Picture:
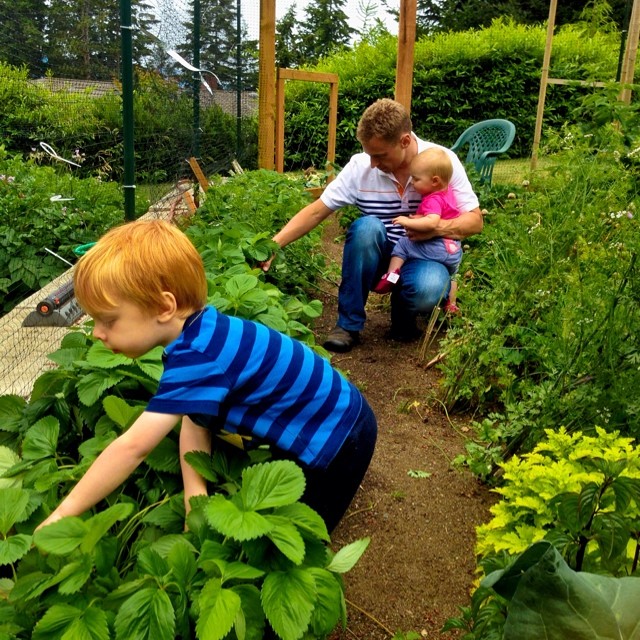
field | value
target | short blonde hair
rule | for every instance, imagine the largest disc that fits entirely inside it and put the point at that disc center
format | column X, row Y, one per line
column 433, row 161
column 136, row 262
column 385, row 119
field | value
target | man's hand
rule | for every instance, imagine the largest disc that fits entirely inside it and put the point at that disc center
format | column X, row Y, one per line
column 265, row 265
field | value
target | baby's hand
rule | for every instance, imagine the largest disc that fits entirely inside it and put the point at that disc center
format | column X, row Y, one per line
column 401, row 220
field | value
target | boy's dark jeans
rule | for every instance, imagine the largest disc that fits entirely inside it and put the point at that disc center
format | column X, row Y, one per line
column 330, row 491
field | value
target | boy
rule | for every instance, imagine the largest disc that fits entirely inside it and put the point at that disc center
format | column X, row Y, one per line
column 144, row 285
column 431, row 172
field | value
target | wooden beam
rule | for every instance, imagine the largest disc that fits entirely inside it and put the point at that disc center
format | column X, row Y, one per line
column 305, row 76
column 202, row 179
column 631, row 50
column 267, row 85
column 406, row 45
column 543, row 83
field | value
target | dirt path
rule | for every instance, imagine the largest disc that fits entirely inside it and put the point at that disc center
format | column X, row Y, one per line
column 420, row 564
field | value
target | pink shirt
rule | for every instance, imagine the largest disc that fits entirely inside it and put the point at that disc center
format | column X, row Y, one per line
column 441, row 203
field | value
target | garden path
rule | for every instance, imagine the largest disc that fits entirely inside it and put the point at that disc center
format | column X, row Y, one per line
column 420, row 564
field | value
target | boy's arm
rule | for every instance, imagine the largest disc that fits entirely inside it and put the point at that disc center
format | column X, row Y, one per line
column 192, row 438
column 115, row 464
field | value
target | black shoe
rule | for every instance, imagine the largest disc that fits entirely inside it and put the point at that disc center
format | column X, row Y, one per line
column 404, row 334
column 340, row 340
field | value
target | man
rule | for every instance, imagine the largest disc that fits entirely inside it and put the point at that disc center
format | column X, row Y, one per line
column 378, row 182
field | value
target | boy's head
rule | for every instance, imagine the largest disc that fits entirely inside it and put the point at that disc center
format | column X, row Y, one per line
column 431, row 170
column 386, row 120
column 137, row 262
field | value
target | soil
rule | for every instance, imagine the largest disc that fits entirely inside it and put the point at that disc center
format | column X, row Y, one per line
column 420, row 565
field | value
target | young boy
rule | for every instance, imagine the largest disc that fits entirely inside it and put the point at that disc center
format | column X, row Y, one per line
column 431, row 172
column 144, row 285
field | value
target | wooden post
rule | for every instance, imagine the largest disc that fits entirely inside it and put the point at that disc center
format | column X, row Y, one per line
column 406, row 43
column 629, row 62
column 267, row 85
column 543, row 83
column 306, row 76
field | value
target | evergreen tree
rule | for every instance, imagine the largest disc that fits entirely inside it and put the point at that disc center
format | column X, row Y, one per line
column 461, row 15
column 22, row 34
column 325, row 30
column 217, row 39
column 288, row 41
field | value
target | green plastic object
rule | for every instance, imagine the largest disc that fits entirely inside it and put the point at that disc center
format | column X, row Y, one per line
column 486, row 140
column 83, row 248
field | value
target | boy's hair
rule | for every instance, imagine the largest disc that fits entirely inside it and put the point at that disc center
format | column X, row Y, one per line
column 385, row 119
column 136, row 262
column 435, row 162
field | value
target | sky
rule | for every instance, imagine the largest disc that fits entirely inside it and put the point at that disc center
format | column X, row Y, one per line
column 353, row 9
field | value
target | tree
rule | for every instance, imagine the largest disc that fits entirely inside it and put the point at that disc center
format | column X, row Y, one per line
column 288, row 40
column 325, row 30
column 22, row 37
column 461, row 15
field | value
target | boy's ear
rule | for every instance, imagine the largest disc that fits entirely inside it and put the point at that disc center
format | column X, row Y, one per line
column 437, row 182
column 168, row 306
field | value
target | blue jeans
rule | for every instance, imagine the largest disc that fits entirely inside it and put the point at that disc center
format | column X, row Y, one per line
column 367, row 250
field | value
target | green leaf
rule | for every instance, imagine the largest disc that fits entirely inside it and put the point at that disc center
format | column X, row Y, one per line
column 251, row 611
column 272, row 484
column 151, row 363
column 550, row 600
column 165, row 457
column 347, row 557
column 11, row 408
column 61, row 537
column 238, row 571
column 8, row 459
column 305, row 518
column 182, row 563
column 41, row 440
column 93, row 385
column 103, row 358
column 13, row 505
column 201, row 462
column 225, row 516
column 66, row 623
column 329, row 603
column 74, row 575
column 152, row 563
column 146, row 615
column 218, row 610
column 120, row 412
column 288, row 599
column 287, row 538
column 14, row 548
column 98, row 525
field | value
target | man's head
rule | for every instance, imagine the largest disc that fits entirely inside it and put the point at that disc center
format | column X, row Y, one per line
column 384, row 131
column 139, row 263
column 431, row 170
column 386, row 120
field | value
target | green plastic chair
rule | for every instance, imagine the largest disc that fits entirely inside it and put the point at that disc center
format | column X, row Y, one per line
column 487, row 140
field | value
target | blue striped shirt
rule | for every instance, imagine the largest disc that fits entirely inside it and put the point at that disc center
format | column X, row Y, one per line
column 226, row 372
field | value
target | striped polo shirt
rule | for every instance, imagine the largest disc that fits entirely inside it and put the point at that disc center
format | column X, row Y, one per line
column 226, row 372
column 379, row 194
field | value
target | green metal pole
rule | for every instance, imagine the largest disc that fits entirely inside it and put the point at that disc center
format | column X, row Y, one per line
column 238, row 77
column 196, row 78
column 127, row 110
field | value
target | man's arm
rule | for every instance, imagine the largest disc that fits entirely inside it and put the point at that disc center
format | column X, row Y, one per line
column 305, row 220
column 466, row 224
column 193, row 438
column 115, row 464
